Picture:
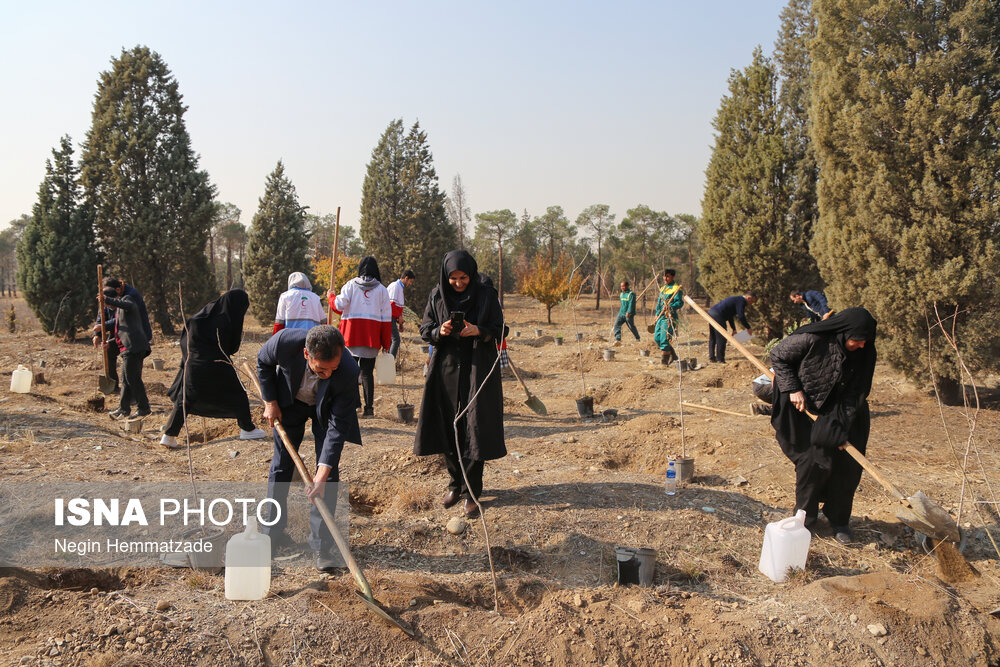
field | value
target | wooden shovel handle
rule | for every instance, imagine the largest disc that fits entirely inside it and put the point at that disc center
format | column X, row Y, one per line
column 707, row 407
column 324, row 511
column 523, row 386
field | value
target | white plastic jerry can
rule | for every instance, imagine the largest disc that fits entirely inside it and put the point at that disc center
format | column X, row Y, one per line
column 248, row 564
column 20, row 380
column 786, row 545
column 385, row 368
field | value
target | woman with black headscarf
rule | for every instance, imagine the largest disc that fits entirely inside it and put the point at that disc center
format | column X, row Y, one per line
column 459, row 368
column 210, row 387
column 366, row 322
column 825, row 369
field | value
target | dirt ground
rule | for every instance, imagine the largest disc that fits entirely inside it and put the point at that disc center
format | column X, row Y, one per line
column 568, row 492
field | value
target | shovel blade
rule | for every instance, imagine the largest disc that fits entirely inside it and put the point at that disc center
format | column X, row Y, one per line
column 942, row 526
column 380, row 611
column 536, row 405
column 105, row 385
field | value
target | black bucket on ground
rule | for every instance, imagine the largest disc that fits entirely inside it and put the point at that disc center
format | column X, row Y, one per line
column 635, row 566
column 405, row 412
column 585, row 406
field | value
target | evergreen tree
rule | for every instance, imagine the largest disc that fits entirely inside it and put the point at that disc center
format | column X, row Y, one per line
column 403, row 219
column 277, row 245
column 640, row 246
column 751, row 240
column 56, row 251
column 906, row 121
column 554, row 231
column 494, row 230
column 153, row 207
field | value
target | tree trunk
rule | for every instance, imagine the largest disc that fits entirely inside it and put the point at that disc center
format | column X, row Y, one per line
column 548, row 314
column 229, row 267
column 161, row 314
column 600, row 276
column 950, row 390
column 500, row 272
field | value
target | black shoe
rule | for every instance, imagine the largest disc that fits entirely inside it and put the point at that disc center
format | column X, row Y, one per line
column 449, row 499
column 842, row 534
column 325, row 562
column 369, row 412
column 118, row 414
column 471, row 509
column 140, row 412
column 280, row 539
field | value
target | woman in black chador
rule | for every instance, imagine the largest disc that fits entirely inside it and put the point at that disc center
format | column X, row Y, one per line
column 212, row 389
column 826, row 369
column 459, row 366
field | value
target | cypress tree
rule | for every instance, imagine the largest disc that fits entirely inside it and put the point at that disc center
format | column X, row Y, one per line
column 153, row 207
column 906, row 121
column 751, row 240
column 403, row 219
column 277, row 245
column 56, row 254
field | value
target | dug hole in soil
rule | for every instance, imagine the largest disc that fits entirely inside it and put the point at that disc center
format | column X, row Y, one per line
column 569, row 491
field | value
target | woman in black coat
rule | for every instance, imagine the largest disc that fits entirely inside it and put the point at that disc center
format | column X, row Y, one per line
column 212, row 388
column 825, row 369
column 459, row 367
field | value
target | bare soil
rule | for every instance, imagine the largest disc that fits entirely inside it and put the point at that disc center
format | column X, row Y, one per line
column 569, row 491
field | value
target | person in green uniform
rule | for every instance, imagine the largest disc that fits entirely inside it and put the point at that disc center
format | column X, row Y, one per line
column 626, row 313
column 668, row 303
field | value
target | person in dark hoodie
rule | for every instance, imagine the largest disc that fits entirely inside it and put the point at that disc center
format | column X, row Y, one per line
column 825, row 369
column 460, row 366
column 366, row 322
column 133, row 336
column 207, row 383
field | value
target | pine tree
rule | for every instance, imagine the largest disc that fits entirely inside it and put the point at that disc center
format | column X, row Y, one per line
column 906, row 122
column 153, row 207
column 403, row 220
column 57, row 264
column 554, row 231
column 751, row 240
column 640, row 242
column 599, row 219
column 494, row 230
column 277, row 245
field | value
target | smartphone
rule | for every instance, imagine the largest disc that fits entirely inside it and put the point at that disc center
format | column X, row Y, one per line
column 457, row 322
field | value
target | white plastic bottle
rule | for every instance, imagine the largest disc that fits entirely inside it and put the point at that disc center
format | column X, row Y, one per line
column 248, row 564
column 671, row 487
column 20, row 380
column 786, row 545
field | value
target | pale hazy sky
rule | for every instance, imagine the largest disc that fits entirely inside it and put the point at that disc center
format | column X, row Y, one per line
column 533, row 103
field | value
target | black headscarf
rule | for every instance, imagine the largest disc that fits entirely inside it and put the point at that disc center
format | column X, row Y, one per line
column 851, row 324
column 459, row 260
column 226, row 315
column 368, row 268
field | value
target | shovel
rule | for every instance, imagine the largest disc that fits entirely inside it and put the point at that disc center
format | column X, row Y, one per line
column 366, row 591
column 532, row 401
column 918, row 511
column 104, row 382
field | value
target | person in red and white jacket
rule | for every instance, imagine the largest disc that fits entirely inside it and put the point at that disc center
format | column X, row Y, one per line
column 366, row 322
column 397, row 301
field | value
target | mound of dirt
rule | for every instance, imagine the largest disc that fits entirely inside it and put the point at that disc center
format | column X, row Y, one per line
column 642, row 444
column 628, row 393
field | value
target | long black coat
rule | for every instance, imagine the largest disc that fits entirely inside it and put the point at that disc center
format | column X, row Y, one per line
column 457, row 369
column 209, row 338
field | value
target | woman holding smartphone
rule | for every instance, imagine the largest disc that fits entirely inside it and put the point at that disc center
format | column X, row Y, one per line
column 464, row 323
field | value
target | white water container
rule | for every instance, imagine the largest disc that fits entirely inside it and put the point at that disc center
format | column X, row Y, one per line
column 248, row 564
column 20, row 380
column 385, row 368
column 742, row 337
column 786, row 544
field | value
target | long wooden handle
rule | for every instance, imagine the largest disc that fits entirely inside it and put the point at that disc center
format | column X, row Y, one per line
column 100, row 307
column 324, row 511
column 333, row 263
column 523, row 386
column 722, row 330
column 706, row 407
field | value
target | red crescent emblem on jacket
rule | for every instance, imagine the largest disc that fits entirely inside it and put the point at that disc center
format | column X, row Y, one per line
column 365, row 292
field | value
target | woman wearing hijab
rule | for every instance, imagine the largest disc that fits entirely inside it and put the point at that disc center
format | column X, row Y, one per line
column 366, row 322
column 825, row 369
column 210, row 386
column 460, row 367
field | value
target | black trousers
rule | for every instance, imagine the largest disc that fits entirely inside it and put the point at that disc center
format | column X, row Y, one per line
column 367, row 380
column 716, row 343
column 176, row 420
column 473, row 469
column 829, row 475
column 133, row 390
column 113, row 353
column 294, row 418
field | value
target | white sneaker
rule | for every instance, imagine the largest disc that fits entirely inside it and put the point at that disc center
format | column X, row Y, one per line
column 255, row 434
column 170, row 442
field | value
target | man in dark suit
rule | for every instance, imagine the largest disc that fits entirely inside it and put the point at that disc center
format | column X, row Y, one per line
column 305, row 375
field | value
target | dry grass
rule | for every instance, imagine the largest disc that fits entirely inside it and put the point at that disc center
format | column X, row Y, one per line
column 414, row 500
